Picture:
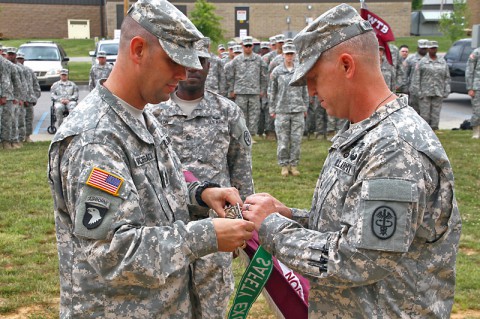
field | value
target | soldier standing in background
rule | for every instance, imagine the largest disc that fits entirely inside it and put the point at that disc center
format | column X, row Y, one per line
column 26, row 117
column 64, row 95
column 288, row 106
column 247, row 83
column 216, row 80
column 10, row 119
column 431, row 79
column 210, row 137
column 381, row 238
column 6, row 98
column 409, row 66
column 472, row 79
column 100, row 70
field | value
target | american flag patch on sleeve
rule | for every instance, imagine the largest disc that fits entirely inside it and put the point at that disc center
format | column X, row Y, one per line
column 105, row 181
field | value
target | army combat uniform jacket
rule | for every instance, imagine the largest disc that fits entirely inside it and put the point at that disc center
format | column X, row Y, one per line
column 381, row 238
column 121, row 215
column 247, row 75
column 283, row 98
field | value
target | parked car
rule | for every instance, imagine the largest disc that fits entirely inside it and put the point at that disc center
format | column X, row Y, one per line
column 110, row 47
column 46, row 59
column 457, row 57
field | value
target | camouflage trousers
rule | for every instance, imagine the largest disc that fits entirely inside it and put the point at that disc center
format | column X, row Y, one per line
column 475, row 120
column 324, row 121
column 1, row 112
column 213, row 285
column 289, row 128
column 265, row 122
column 413, row 101
column 430, row 107
column 61, row 108
column 21, row 113
column 250, row 106
column 25, row 121
column 8, row 122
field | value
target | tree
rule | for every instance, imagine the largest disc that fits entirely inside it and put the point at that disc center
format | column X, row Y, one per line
column 417, row 5
column 204, row 18
column 453, row 24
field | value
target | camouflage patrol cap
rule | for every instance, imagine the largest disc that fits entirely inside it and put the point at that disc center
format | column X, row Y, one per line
column 272, row 40
column 20, row 56
column 280, row 38
column 101, row 54
column 237, row 48
column 248, row 40
column 63, row 71
column 231, row 44
column 221, row 47
column 432, row 44
column 11, row 50
column 288, row 48
column 174, row 31
column 328, row 30
column 265, row 45
column 201, row 46
column 422, row 43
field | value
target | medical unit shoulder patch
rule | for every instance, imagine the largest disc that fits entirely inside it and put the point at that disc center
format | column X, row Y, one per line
column 105, row 181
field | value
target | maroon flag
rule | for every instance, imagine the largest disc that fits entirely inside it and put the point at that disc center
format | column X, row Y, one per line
column 381, row 28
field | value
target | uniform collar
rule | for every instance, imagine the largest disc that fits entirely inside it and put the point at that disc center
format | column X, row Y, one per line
column 349, row 135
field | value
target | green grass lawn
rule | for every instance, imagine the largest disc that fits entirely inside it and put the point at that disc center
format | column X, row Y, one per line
column 28, row 256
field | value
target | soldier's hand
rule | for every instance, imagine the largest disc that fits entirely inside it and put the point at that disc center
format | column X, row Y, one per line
column 259, row 206
column 218, row 198
column 471, row 93
column 232, row 233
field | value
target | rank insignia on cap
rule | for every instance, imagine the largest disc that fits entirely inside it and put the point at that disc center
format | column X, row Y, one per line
column 105, row 181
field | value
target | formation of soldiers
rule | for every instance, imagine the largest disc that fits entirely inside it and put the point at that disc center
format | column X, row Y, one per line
column 19, row 92
column 424, row 76
column 246, row 80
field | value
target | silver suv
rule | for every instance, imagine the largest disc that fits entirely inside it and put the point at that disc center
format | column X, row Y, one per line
column 108, row 46
column 46, row 59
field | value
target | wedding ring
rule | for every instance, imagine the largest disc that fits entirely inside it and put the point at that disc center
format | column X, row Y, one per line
column 247, row 206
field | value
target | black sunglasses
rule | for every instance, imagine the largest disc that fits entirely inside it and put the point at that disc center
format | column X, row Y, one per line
column 247, row 45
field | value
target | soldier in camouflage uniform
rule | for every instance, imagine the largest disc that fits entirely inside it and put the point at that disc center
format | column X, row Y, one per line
column 409, row 66
column 34, row 93
column 216, row 80
column 11, row 109
column 124, row 235
column 247, row 83
column 387, row 69
column 472, row 79
column 211, row 138
column 64, row 95
column 288, row 106
column 381, row 238
column 100, row 70
column 6, row 92
column 267, row 122
column 431, row 79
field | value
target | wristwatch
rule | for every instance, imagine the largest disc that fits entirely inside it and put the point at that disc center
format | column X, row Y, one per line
column 203, row 186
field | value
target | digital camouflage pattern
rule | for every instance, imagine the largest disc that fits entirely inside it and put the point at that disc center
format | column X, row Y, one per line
column 216, row 80
column 331, row 28
column 98, row 72
column 472, row 79
column 127, row 254
column 388, row 73
column 388, row 170
column 13, row 92
column 431, row 79
column 409, row 67
column 289, row 104
column 175, row 32
column 214, row 144
column 63, row 90
column 247, row 75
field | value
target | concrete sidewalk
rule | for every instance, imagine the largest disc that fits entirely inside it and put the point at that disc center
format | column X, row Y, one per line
column 42, row 137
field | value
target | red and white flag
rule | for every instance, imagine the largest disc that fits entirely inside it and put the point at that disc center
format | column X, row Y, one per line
column 382, row 29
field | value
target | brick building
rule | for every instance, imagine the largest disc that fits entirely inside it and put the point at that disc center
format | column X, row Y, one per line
column 259, row 18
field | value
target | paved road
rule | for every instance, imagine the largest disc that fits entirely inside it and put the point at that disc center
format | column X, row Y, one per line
column 456, row 108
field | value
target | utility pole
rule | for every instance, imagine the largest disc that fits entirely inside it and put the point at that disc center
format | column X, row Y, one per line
column 125, row 7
